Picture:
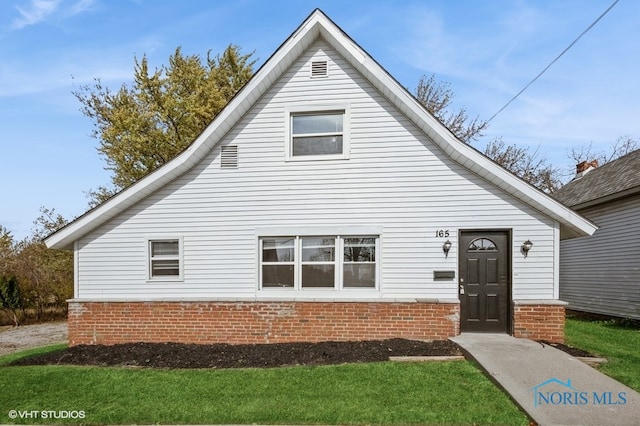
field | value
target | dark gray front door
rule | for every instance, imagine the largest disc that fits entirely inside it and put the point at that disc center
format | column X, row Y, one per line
column 484, row 281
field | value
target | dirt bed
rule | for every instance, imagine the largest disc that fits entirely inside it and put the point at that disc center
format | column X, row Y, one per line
column 175, row 355
column 14, row 339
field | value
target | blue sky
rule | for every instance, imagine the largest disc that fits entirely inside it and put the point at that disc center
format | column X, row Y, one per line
column 487, row 50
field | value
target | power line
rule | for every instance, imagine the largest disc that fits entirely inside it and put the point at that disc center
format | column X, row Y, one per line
column 554, row 61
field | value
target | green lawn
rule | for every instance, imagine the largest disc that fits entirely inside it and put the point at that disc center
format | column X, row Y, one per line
column 619, row 343
column 376, row 393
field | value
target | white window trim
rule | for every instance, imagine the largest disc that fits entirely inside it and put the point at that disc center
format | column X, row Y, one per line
column 346, row 131
column 338, row 287
column 165, row 278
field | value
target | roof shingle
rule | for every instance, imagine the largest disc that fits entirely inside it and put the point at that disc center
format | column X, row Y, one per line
column 615, row 177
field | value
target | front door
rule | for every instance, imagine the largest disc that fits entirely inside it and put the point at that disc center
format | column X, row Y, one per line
column 484, row 281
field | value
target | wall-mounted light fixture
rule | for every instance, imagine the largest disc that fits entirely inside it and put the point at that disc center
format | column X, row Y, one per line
column 526, row 246
column 446, row 247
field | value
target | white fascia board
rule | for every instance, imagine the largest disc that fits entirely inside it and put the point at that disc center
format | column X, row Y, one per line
column 204, row 143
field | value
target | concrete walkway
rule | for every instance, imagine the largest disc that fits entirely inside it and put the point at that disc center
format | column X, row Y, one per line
column 551, row 386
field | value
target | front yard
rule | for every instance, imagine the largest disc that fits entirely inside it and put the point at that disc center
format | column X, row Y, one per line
column 367, row 393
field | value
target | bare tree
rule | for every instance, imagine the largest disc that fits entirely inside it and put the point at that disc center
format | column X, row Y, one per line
column 622, row 146
column 436, row 97
column 528, row 165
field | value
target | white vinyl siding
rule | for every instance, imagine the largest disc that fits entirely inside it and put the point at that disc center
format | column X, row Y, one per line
column 395, row 180
column 601, row 273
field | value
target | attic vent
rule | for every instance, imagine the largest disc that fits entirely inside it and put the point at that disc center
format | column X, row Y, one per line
column 229, row 157
column 319, row 69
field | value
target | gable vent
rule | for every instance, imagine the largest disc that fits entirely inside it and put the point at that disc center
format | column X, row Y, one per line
column 319, row 69
column 229, row 157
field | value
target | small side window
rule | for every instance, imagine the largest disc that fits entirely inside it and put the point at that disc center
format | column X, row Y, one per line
column 164, row 258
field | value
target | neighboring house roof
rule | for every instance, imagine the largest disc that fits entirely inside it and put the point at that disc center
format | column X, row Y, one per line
column 318, row 25
column 613, row 180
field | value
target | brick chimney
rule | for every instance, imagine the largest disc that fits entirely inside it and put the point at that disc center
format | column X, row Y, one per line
column 585, row 167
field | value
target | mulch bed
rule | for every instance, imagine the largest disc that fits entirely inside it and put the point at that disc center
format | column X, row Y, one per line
column 180, row 355
column 177, row 355
column 569, row 349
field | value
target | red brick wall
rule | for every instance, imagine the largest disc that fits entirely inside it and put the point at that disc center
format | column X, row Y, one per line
column 257, row 322
column 539, row 322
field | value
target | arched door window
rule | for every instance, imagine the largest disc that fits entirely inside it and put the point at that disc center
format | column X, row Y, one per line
column 482, row 244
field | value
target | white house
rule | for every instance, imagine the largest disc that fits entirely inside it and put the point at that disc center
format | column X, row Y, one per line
column 323, row 203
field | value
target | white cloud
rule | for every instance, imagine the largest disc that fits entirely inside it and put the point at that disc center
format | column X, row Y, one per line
column 36, row 11
column 79, row 7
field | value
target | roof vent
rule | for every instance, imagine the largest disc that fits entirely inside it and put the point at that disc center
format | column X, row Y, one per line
column 319, row 69
column 229, row 157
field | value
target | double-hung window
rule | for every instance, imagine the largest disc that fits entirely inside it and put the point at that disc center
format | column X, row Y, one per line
column 277, row 269
column 359, row 262
column 318, row 133
column 319, row 262
column 165, row 259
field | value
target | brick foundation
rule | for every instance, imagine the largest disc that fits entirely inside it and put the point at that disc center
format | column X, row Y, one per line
column 258, row 322
column 539, row 321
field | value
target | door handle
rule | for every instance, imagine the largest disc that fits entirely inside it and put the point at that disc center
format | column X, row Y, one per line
column 461, row 289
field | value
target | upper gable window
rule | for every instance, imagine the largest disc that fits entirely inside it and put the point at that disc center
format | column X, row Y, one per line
column 318, row 134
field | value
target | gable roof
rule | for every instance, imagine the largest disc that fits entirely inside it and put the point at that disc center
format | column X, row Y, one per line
column 315, row 26
column 613, row 180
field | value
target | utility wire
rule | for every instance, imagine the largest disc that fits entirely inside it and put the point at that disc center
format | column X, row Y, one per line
column 554, row 61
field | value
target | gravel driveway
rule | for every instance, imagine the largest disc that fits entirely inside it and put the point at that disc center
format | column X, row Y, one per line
column 14, row 339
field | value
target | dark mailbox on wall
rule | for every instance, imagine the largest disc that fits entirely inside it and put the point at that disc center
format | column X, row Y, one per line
column 444, row 275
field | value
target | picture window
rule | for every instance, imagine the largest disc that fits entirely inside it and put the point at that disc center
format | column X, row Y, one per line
column 319, row 262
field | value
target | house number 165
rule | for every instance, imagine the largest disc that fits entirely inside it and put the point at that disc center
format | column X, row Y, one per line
column 442, row 233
